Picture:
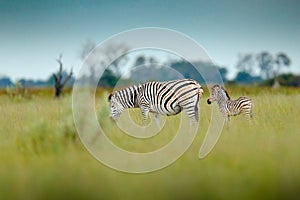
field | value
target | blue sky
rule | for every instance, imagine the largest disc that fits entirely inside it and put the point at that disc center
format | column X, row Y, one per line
column 33, row 33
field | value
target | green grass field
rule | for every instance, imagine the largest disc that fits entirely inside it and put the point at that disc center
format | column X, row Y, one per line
column 41, row 157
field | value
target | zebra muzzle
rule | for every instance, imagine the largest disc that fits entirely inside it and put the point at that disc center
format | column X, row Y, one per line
column 209, row 101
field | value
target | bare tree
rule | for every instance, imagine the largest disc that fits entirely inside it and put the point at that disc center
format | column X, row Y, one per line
column 59, row 82
column 245, row 63
column 86, row 47
column 115, row 50
column 152, row 61
column 265, row 64
column 140, row 60
column 101, row 58
column 282, row 60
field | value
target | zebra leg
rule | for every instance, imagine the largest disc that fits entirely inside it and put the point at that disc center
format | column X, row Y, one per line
column 227, row 121
column 193, row 116
column 248, row 113
column 145, row 111
column 196, row 113
column 156, row 117
column 252, row 110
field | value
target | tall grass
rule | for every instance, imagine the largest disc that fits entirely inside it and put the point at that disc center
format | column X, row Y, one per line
column 42, row 158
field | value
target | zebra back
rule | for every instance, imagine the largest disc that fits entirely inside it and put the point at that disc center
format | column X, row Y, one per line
column 171, row 97
column 242, row 105
column 166, row 98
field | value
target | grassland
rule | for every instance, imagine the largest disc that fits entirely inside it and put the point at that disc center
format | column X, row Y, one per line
column 41, row 156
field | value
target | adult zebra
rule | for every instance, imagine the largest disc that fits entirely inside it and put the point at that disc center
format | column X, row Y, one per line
column 230, row 107
column 165, row 98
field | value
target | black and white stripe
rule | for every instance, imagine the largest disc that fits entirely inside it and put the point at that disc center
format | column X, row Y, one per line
column 165, row 98
column 228, row 107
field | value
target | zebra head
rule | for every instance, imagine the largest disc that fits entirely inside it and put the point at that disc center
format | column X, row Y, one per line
column 217, row 91
column 116, row 108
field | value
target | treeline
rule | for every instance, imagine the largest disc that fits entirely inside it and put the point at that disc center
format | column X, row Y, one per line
column 265, row 69
column 152, row 72
column 252, row 68
column 259, row 69
column 7, row 82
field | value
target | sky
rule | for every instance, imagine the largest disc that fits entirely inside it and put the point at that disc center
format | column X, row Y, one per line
column 34, row 33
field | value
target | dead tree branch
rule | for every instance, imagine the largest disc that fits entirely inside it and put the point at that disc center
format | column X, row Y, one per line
column 59, row 83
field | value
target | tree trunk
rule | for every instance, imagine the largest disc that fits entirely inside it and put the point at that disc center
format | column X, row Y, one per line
column 59, row 83
column 58, row 91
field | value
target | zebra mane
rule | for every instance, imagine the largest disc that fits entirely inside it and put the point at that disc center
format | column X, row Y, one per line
column 109, row 97
column 221, row 89
column 226, row 93
column 131, row 91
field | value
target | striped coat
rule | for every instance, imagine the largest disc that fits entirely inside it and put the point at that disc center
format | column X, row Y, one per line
column 228, row 107
column 165, row 98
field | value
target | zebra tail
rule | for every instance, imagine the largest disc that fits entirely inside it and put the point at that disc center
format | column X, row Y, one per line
column 200, row 89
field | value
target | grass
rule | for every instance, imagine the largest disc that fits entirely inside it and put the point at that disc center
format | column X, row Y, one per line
column 42, row 158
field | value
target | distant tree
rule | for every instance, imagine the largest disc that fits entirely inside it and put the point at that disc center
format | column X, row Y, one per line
column 268, row 65
column 86, row 47
column 223, row 71
column 246, row 66
column 50, row 80
column 245, row 63
column 187, row 70
column 265, row 64
column 140, row 60
column 246, row 78
column 243, row 77
column 58, row 78
column 282, row 60
column 99, row 59
column 152, row 60
column 5, row 81
column 111, row 51
column 108, row 79
column 288, row 79
column 208, row 70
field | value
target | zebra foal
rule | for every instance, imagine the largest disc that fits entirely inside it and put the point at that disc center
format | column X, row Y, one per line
column 165, row 98
column 230, row 107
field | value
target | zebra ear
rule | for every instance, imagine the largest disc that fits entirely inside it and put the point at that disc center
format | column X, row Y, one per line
column 109, row 97
column 222, row 87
